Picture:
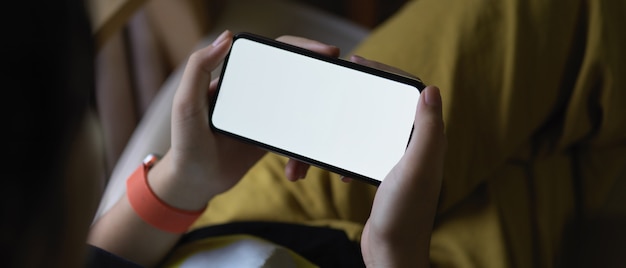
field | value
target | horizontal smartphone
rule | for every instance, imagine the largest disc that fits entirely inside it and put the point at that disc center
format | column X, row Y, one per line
column 344, row 117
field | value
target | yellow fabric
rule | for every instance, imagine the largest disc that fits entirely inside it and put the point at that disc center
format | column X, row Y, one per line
column 534, row 101
column 321, row 199
column 535, row 113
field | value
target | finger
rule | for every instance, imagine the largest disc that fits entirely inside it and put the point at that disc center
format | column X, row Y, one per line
column 316, row 46
column 213, row 87
column 381, row 66
column 197, row 74
column 295, row 170
column 407, row 198
column 406, row 201
column 346, row 179
column 428, row 141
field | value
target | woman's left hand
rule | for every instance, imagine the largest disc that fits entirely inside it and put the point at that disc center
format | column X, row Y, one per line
column 202, row 163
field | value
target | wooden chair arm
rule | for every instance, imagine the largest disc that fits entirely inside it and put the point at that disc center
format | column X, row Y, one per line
column 109, row 16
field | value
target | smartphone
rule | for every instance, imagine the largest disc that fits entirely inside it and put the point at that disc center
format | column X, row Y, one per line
column 344, row 117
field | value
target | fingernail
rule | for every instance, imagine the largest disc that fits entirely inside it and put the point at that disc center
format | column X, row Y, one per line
column 433, row 96
column 220, row 39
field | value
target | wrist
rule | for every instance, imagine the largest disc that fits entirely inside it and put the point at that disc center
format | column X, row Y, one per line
column 177, row 190
column 384, row 250
column 155, row 210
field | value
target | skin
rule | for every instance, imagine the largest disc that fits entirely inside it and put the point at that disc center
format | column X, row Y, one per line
column 201, row 164
column 397, row 234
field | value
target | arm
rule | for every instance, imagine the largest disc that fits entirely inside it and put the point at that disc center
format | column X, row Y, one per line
column 187, row 176
column 199, row 165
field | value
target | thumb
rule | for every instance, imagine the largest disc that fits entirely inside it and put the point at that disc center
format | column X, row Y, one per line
column 417, row 177
column 197, row 76
column 415, row 182
column 427, row 146
column 409, row 195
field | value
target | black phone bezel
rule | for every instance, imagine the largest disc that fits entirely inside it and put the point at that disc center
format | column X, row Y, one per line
column 414, row 82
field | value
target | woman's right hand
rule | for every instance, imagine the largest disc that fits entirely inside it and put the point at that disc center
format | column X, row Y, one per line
column 397, row 233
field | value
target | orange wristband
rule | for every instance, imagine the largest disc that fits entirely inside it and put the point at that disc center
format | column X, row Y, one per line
column 153, row 210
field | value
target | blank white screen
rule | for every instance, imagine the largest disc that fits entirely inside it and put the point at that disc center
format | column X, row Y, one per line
column 335, row 115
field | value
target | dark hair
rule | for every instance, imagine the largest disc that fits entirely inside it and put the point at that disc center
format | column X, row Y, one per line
column 47, row 78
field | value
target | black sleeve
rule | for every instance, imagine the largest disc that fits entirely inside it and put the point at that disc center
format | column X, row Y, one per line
column 323, row 246
column 99, row 258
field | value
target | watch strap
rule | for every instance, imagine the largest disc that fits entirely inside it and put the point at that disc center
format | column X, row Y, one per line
column 153, row 210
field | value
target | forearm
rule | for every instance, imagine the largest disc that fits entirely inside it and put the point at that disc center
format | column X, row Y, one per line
column 123, row 232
